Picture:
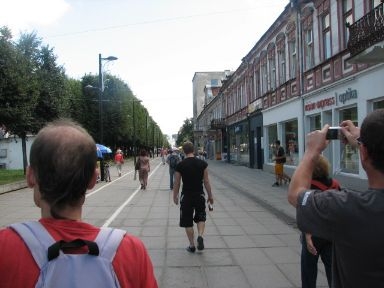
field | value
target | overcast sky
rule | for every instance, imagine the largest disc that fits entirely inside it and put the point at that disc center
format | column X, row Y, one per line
column 160, row 44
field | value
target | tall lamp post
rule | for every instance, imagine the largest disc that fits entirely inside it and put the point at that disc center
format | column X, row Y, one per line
column 101, row 90
column 134, row 130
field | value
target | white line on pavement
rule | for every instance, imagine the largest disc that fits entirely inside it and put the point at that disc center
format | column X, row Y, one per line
column 118, row 210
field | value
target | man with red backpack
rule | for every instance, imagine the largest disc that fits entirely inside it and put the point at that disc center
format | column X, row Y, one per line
column 62, row 169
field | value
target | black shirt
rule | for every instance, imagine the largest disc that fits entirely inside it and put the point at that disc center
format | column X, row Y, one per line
column 192, row 175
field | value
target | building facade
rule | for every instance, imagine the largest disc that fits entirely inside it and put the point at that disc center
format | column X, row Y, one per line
column 301, row 75
column 207, row 112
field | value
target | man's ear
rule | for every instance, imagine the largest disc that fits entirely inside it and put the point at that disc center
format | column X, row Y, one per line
column 92, row 183
column 31, row 180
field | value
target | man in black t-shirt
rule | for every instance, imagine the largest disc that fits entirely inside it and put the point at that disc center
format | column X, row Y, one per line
column 194, row 173
column 280, row 159
column 352, row 220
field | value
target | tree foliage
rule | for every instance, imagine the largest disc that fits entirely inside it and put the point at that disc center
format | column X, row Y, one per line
column 34, row 89
column 186, row 132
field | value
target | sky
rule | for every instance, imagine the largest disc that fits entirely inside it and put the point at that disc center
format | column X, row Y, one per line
column 159, row 44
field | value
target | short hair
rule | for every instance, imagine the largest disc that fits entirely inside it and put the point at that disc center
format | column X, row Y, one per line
column 277, row 142
column 372, row 137
column 143, row 152
column 321, row 170
column 188, row 147
column 63, row 159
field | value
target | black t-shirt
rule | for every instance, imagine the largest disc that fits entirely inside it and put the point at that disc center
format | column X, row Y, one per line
column 192, row 175
column 354, row 221
column 280, row 153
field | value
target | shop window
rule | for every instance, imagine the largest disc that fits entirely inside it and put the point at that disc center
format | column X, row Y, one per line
column 239, row 150
column 378, row 105
column 349, row 156
column 289, row 142
column 315, row 123
column 272, row 137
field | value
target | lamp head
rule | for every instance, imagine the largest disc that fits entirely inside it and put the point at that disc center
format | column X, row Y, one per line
column 110, row 58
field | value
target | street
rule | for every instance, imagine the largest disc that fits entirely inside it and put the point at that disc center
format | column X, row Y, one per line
column 250, row 241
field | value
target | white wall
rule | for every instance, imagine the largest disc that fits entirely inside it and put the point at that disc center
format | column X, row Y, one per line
column 13, row 150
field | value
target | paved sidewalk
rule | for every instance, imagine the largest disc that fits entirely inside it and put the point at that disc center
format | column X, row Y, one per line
column 250, row 236
column 250, row 239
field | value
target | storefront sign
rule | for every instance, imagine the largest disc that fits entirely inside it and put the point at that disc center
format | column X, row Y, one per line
column 321, row 104
column 348, row 95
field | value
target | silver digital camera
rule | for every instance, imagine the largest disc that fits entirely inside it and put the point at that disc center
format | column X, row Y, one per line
column 333, row 133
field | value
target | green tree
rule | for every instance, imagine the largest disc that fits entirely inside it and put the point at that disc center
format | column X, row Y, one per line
column 52, row 101
column 185, row 133
column 19, row 88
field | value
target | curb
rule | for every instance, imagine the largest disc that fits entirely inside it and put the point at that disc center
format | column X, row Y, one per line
column 13, row 186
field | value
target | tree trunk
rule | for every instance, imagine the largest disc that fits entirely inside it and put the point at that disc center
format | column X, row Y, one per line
column 24, row 149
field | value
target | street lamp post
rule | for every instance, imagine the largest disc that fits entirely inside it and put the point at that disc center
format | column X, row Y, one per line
column 134, row 130
column 101, row 90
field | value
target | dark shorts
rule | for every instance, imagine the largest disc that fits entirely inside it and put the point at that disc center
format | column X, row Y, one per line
column 192, row 209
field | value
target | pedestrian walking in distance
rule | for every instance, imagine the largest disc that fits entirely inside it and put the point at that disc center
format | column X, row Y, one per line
column 172, row 160
column 144, row 168
column 352, row 220
column 194, row 173
column 49, row 252
column 119, row 161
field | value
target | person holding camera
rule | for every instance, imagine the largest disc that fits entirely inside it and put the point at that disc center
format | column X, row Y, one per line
column 352, row 220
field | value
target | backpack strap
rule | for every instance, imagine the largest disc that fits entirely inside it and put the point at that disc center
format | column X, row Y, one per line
column 37, row 239
column 108, row 241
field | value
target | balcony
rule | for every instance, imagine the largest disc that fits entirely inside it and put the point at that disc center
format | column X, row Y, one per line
column 366, row 38
column 218, row 123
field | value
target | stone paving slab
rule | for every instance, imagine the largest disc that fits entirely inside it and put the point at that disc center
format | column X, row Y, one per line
column 250, row 237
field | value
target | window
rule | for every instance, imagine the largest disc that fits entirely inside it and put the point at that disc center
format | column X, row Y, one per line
column 3, row 153
column 378, row 105
column 374, row 3
column 349, row 159
column 347, row 18
column 214, row 82
column 264, row 78
column 292, row 59
column 315, row 122
column 257, row 84
column 308, row 49
column 326, row 29
column 272, row 73
column 281, row 60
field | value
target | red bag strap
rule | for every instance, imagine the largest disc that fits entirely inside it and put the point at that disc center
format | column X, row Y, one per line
column 324, row 187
